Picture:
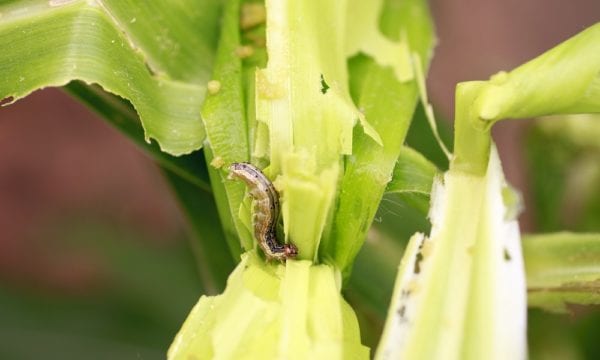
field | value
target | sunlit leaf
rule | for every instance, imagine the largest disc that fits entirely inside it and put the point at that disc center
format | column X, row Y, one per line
column 156, row 55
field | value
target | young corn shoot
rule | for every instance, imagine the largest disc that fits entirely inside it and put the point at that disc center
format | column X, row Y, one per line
column 460, row 292
column 303, row 122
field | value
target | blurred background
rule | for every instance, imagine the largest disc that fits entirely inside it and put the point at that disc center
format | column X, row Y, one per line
column 94, row 254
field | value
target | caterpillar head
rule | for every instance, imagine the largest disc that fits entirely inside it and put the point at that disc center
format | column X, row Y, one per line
column 290, row 251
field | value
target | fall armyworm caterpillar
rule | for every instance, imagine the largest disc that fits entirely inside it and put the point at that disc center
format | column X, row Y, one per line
column 265, row 210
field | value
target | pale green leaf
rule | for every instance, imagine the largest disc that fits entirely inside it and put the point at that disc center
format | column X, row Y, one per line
column 273, row 311
column 303, row 100
column 460, row 292
column 563, row 80
column 370, row 285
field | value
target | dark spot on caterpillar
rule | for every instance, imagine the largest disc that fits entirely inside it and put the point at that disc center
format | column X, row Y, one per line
column 265, row 208
column 324, row 86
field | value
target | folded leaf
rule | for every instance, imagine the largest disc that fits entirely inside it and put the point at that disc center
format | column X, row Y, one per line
column 223, row 114
column 460, row 292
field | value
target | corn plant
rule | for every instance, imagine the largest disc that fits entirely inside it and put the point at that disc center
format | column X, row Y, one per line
column 320, row 95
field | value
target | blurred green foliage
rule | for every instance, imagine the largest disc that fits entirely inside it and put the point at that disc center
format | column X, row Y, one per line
column 564, row 174
column 133, row 311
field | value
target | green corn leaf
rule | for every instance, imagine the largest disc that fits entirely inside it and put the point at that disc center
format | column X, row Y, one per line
column 460, row 292
column 271, row 311
column 188, row 178
column 370, row 286
column 412, row 180
column 564, row 80
column 301, row 134
column 302, row 97
column 131, row 49
column 371, row 283
column 224, row 118
column 401, row 213
column 307, row 182
column 368, row 170
column 563, row 269
column 571, row 70
column 413, row 173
